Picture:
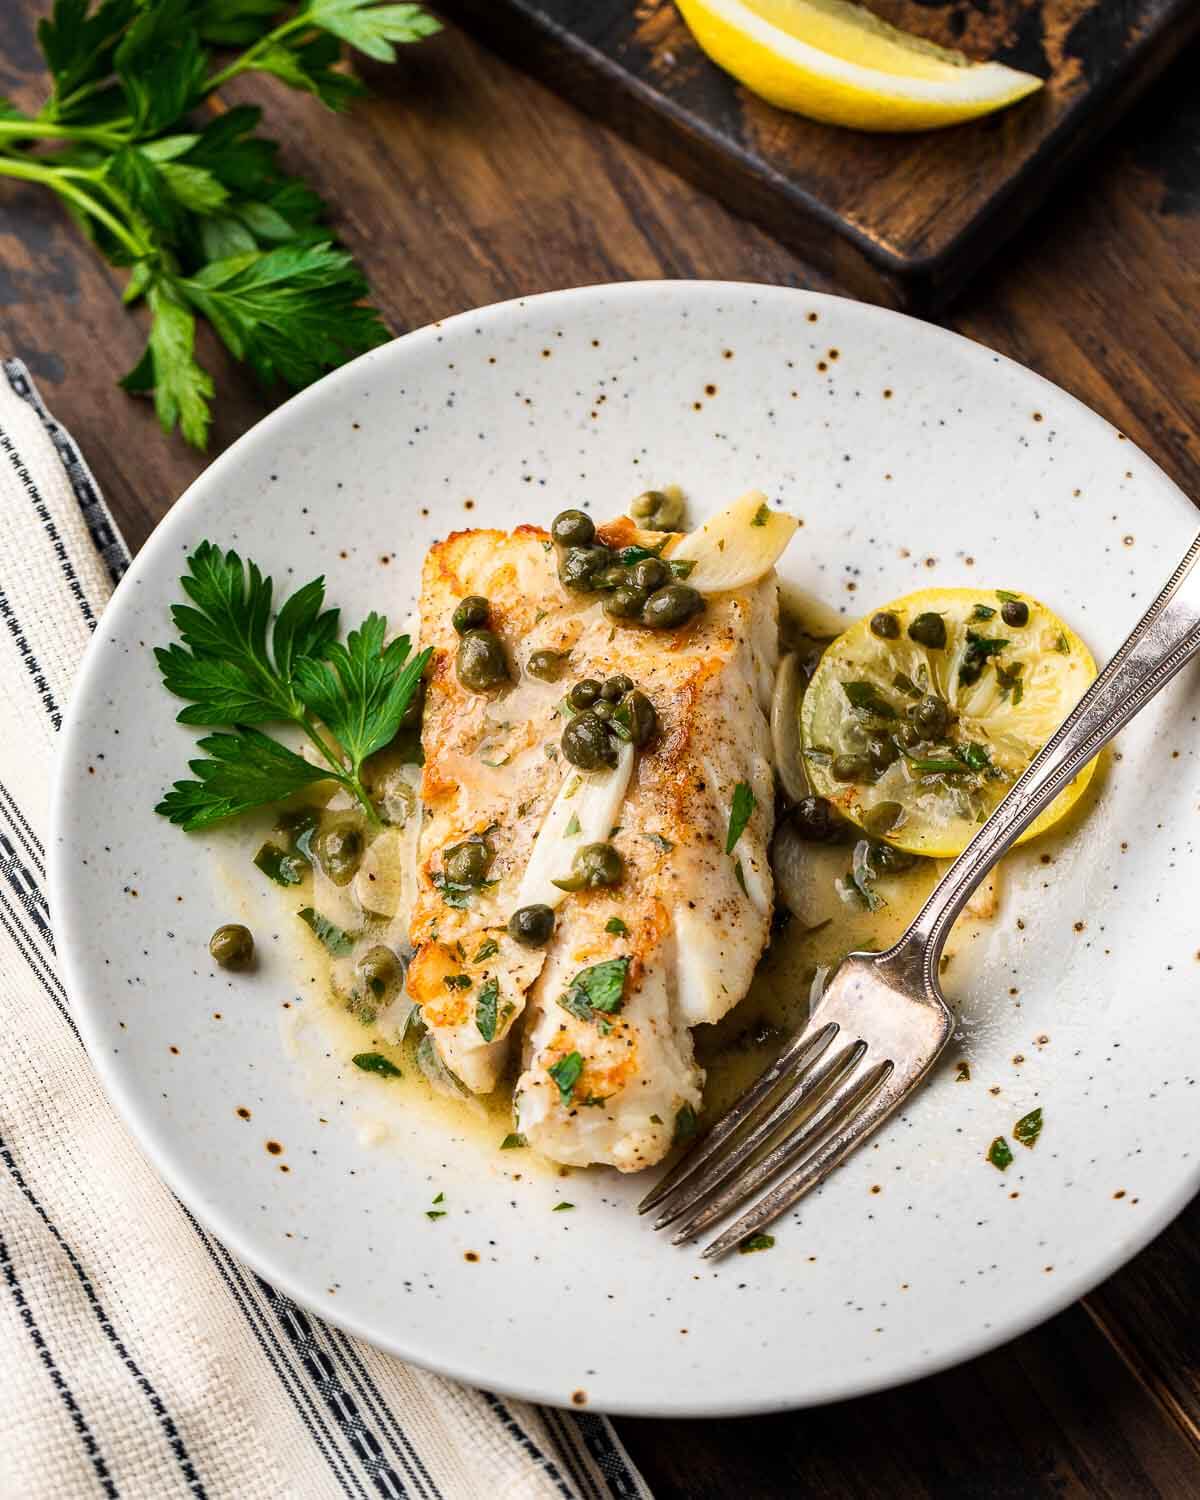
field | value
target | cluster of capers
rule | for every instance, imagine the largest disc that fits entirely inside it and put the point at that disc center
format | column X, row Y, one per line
column 637, row 591
column 817, row 821
column 481, row 663
column 604, row 714
column 928, row 719
column 928, row 629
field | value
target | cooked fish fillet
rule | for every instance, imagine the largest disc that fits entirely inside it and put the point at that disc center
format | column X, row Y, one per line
column 690, row 919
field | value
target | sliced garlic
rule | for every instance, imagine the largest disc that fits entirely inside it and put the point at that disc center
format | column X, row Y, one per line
column 785, row 728
column 736, row 547
column 386, row 879
column 593, row 799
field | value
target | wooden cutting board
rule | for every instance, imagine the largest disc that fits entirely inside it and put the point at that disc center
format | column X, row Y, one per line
column 902, row 220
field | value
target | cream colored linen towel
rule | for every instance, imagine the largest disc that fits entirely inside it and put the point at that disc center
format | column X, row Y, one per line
column 138, row 1358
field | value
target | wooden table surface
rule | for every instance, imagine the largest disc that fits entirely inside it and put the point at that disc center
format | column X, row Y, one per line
column 464, row 183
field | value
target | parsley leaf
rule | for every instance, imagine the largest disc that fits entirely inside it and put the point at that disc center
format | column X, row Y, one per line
column 1028, row 1128
column 999, row 1153
column 487, row 949
column 756, row 1242
column 375, row 1062
column 485, row 1010
column 326, row 932
column 565, row 1073
column 980, row 649
column 602, row 986
column 244, row 770
column 868, row 700
column 740, row 813
column 616, row 927
column 514, row 1141
column 238, row 668
column 361, row 690
column 685, row 1124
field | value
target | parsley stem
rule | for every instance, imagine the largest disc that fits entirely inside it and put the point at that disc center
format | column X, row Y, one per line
column 47, row 130
column 351, row 780
column 248, row 61
column 60, row 179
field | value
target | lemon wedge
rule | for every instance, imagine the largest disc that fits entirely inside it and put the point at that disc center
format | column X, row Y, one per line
column 920, row 717
column 836, row 62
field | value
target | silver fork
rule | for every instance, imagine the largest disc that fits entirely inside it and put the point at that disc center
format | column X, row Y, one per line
column 882, row 1021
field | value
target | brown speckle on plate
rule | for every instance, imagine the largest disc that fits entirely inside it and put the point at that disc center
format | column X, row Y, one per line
column 471, row 1255
column 274, row 1148
column 710, row 390
column 1037, row 416
column 812, row 317
column 579, row 1398
column 242, row 1112
column 1120, row 1193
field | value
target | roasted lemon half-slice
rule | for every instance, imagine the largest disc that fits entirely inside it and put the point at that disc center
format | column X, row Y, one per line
column 920, row 717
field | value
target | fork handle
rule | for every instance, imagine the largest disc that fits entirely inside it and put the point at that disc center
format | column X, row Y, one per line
column 1160, row 644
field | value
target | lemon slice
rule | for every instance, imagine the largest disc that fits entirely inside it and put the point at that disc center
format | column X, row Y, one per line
column 917, row 727
column 834, row 61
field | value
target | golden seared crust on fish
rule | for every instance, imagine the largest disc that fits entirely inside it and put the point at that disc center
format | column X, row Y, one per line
column 688, row 922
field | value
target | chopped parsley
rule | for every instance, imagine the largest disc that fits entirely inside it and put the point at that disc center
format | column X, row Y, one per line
column 513, row 1141
column 597, row 991
column 1061, row 645
column 663, row 845
column 983, row 612
column 616, row 927
column 756, row 1242
column 866, row 698
column 681, row 567
column 435, row 1213
column 572, row 827
column 980, row 649
column 1006, row 598
column 485, row 1010
column 1000, row 1154
column 487, row 949
column 1010, row 682
column 280, row 866
column 457, row 981
column 685, row 1124
column 740, row 814
column 761, row 516
column 565, row 1073
column 561, row 1208
column 1028, row 1128
column 458, row 893
column 327, row 933
column 375, row 1062
column 906, row 685
column 740, row 876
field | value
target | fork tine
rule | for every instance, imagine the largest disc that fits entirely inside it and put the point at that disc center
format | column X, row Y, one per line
column 809, row 1088
column 868, row 1112
column 838, row 1111
column 795, row 1054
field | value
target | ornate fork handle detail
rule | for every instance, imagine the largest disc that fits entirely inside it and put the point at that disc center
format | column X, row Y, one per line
column 1162, row 642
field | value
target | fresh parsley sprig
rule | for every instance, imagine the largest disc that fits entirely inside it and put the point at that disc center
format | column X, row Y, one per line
column 195, row 205
column 238, row 667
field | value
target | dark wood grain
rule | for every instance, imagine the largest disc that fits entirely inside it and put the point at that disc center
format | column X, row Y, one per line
column 903, row 220
column 464, row 182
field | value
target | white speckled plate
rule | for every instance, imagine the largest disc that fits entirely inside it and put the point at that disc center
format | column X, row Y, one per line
column 914, row 458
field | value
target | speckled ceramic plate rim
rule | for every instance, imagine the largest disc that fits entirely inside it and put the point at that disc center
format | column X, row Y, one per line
column 161, row 547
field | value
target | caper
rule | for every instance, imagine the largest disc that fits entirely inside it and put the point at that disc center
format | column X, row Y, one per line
column 658, row 511
column 594, row 866
column 1014, row 612
column 470, row 613
column 888, row 860
column 885, row 625
column 532, row 926
column 636, row 713
column 851, row 768
column 578, row 566
column 603, row 709
column 816, row 821
column 673, row 605
column 931, row 716
column 650, row 573
column 929, row 630
column 339, row 851
column 616, row 687
column 481, row 663
column 881, row 752
column 546, row 666
column 379, row 971
column 882, row 818
column 573, row 528
column 611, row 577
column 625, row 603
column 584, row 693
column 467, row 863
column 586, row 743
column 232, row 947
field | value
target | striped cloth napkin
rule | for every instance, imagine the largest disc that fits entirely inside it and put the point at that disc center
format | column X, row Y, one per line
column 139, row 1358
